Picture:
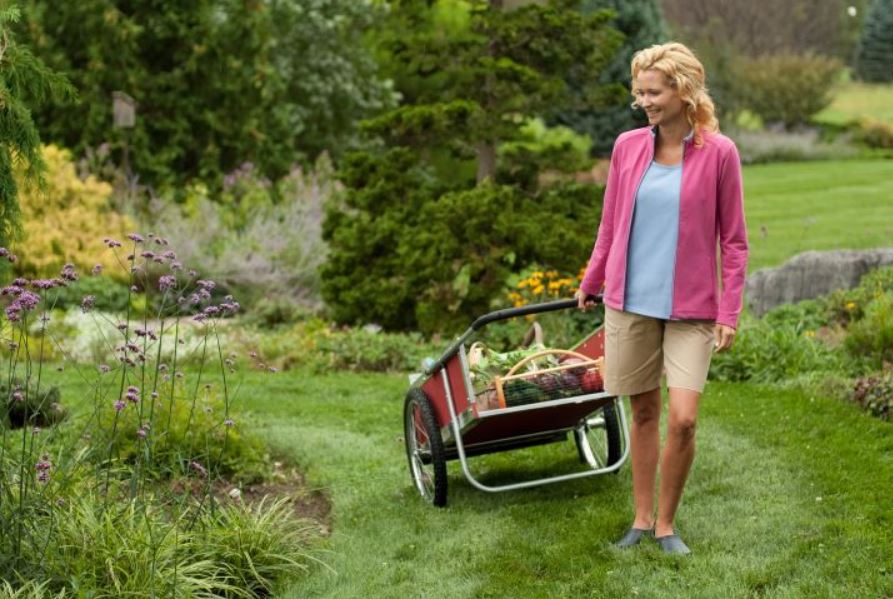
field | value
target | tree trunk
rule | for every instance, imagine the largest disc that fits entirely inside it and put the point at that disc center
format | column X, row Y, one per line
column 486, row 161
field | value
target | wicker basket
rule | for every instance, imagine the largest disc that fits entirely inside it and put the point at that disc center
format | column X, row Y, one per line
column 577, row 376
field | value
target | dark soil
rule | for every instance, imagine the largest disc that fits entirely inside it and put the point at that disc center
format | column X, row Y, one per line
column 287, row 481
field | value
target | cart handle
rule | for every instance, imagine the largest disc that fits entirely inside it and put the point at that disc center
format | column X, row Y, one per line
column 504, row 315
column 529, row 309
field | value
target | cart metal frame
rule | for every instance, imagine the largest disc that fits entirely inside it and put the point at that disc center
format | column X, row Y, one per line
column 571, row 415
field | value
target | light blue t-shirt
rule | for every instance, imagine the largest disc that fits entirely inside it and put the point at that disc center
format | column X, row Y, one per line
column 651, row 256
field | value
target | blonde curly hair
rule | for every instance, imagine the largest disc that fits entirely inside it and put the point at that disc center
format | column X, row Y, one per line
column 685, row 73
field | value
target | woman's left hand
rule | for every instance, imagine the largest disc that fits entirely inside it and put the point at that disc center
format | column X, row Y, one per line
column 725, row 336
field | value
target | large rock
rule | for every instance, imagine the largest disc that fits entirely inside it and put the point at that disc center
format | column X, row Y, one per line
column 810, row 275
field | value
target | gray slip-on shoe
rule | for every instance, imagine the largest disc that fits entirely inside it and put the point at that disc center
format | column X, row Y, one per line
column 632, row 537
column 673, row 544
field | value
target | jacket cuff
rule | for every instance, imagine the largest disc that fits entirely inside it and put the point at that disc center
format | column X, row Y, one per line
column 728, row 319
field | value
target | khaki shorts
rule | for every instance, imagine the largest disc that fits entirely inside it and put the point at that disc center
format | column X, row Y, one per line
column 638, row 349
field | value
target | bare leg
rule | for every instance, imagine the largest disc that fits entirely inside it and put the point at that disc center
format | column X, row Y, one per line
column 645, row 450
column 678, row 454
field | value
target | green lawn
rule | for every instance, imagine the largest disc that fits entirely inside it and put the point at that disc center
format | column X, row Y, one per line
column 789, row 497
column 800, row 206
column 854, row 100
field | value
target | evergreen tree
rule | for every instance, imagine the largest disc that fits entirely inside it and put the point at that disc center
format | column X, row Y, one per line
column 217, row 82
column 875, row 54
column 433, row 223
column 643, row 25
column 25, row 82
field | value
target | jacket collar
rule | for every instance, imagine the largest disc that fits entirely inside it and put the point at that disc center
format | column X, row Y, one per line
column 687, row 139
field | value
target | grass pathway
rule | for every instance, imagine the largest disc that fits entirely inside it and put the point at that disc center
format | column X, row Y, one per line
column 790, row 496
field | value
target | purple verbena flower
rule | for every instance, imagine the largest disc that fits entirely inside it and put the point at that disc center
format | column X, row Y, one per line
column 142, row 433
column 11, row 290
column 229, row 423
column 20, row 282
column 13, row 313
column 103, row 368
column 43, row 467
column 3, row 252
column 175, row 265
column 136, row 238
column 87, row 303
column 132, row 395
column 111, row 243
column 28, row 300
column 167, row 282
column 45, row 284
column 97, row 269
column 120, row 405
column 121, row 326
column 147, row 254
column 68, row 273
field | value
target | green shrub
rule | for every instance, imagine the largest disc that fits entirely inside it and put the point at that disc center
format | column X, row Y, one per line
column 184, row 429
column 764, row 353
column 871, row 337
column 787, row 88
column 874, row 134
column 359, row 349
column 807, row 315
column 875, row 394
column 844, row 306
column 109, row 295
column 21, row 407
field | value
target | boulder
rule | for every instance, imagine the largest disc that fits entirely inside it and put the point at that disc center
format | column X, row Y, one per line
column 811, row 274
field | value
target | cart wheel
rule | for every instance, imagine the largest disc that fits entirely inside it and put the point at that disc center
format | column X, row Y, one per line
column 598, row 438
column 424, row 448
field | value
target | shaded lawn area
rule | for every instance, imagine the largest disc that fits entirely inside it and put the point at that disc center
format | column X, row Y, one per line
column 798, row 206
column 790, row 496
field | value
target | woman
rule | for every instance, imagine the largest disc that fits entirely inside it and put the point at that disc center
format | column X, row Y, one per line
column 674, row 190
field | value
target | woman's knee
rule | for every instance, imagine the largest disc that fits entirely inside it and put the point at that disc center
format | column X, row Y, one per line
column 682, row 426
column 646, row 407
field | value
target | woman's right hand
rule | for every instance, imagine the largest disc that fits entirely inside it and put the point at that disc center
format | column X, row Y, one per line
column 584, row 300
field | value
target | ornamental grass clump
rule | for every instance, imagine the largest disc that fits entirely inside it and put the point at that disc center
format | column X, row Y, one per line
column 114, row 495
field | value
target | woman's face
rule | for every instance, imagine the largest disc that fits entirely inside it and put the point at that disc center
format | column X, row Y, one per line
column 657, row 98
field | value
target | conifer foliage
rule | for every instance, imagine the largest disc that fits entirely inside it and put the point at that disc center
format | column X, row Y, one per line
column 25, row 82
column 875, row 59
column 433, row 224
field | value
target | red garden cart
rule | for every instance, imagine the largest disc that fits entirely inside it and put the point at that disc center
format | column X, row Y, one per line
column 446, row 419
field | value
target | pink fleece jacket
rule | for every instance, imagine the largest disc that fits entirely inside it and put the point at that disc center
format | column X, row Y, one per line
column 711, row 210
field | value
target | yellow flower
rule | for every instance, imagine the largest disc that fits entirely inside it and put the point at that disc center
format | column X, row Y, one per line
column 537, row 274
column 523, row 284
column 538, row 289
column 851, row 305
column 810, row 333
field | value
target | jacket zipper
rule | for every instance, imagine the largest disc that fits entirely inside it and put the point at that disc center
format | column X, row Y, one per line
column 632, row 213
column 678, row 227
